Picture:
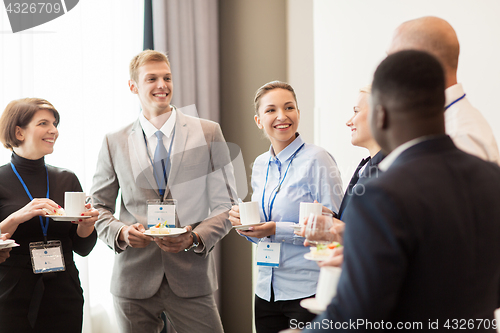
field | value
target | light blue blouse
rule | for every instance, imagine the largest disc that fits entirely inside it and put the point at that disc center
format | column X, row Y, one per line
column 312, row 175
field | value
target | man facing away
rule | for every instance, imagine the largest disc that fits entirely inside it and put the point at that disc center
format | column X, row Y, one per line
column 421, row 249
column 163, row 157
column 464, row 123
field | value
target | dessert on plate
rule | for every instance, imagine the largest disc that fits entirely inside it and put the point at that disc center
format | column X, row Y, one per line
column 160, row 228
column 323, row 250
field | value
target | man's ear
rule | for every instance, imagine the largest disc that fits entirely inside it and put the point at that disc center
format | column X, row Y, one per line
column 133, row 86
column 19, row 133
column 257, row 121
column 381, row 117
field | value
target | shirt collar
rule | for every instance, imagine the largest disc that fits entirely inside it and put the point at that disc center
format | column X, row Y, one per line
column 289, row 150
column 389, row 160
column 453, row 92
column 166, row 129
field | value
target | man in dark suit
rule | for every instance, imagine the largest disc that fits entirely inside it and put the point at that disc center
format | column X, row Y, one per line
column 421, row 249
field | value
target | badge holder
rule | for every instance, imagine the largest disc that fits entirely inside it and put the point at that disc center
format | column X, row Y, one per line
column 268, row 254
column 161, row 212
column 47, row 257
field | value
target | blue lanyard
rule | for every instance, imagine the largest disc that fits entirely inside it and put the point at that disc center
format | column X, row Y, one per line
column 168, row 158
column 457, row 100
column 277, row 188
column 45, row 226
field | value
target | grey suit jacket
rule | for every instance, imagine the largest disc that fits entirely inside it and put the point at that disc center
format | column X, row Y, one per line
column 201, row 180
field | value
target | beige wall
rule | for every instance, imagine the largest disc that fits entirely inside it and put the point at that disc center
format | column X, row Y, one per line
column 253, row 47
column 300, row 64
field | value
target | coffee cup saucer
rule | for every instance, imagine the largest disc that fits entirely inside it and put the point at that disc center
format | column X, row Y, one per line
column 64, row 218
column 245, row 227
column 5, row 244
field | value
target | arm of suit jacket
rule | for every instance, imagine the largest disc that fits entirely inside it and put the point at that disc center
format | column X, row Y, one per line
column 221, row 191
column 105, row 191
column 375, row 259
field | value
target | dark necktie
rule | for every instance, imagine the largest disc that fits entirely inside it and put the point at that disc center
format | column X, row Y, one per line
column 355, row 177
column 352, row 183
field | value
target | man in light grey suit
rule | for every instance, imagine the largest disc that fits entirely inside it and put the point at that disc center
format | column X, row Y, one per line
column 174, row 274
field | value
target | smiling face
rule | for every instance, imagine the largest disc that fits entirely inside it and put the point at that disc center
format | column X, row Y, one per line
column 278, row 117
column 38, row 137
column 154, row 87
column 360, row 128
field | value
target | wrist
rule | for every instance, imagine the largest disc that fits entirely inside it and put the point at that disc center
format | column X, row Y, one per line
column 13, row 219
column 195, row 241
column 84, row 231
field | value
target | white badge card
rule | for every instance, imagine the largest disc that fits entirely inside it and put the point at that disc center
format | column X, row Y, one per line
column 47, row 257
column 268, row 254
column 161, row 212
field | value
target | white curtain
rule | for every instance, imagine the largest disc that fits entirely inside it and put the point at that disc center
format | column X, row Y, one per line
column 79, row 62
column 187, row 31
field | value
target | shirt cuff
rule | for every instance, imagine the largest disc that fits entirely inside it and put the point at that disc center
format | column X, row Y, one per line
column 120, row 244
column 200, row 248
column 285, row 234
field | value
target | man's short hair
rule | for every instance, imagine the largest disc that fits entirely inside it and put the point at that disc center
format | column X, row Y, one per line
column 20, row 113
column 144, row 57
column 410, row 81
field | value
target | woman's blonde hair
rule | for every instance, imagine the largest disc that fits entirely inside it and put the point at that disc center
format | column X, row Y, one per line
column 366, row 89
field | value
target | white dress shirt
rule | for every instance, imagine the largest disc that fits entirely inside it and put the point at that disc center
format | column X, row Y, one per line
column 389, row 159
column 468, row 128
column 150, row 130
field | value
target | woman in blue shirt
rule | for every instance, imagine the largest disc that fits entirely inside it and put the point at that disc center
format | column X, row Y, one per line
column 291, row 172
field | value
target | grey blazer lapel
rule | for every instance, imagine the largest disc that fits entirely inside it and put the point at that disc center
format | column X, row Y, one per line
column 179, row 146
column 139, row 158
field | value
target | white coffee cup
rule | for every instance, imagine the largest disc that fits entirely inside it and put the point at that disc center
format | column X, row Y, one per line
column 327, row 285
column 74, row 203
column 306, row 208
column 249, row 212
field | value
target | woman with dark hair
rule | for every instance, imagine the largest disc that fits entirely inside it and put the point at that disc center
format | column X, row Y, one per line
column 51, row 299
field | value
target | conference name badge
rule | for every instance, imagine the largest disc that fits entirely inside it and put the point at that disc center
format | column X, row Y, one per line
column 47, row 257
column 161, row 211
column 268, row 254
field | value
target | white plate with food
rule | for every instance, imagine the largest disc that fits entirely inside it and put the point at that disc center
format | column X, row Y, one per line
column 321, row 252
column 172, row 232
column 310, row 256
column 65, row 218
column 245, row 227
column 311, row 304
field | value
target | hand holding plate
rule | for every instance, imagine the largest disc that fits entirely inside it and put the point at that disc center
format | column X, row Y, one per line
column 134, row 236
column 176, row 244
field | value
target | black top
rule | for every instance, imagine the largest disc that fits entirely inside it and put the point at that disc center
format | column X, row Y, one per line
column 13, row 197
column 371, row 170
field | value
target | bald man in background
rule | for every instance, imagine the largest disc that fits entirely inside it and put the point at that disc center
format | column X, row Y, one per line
column 466, row 126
